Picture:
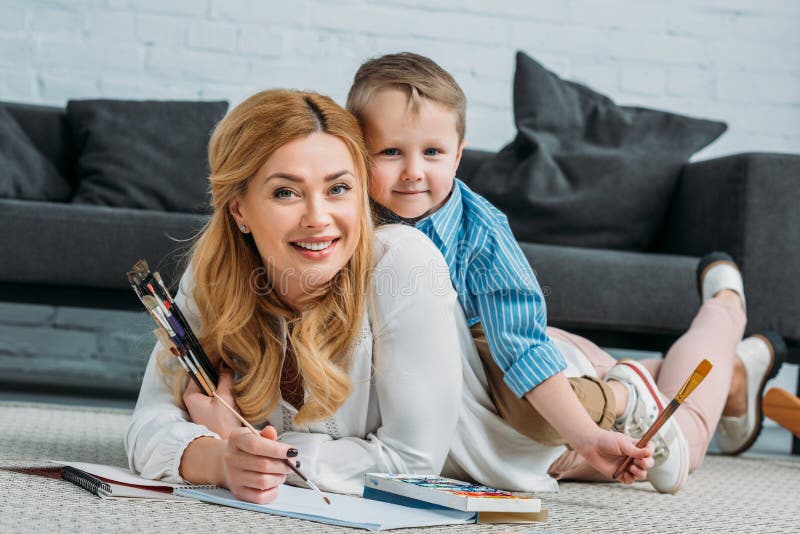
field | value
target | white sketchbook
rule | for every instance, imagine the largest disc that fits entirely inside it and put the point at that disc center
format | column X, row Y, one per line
column 344, row 510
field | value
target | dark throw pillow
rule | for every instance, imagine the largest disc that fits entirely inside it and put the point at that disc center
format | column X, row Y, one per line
column 583, row 171
column 25, row 173
column 146, row 155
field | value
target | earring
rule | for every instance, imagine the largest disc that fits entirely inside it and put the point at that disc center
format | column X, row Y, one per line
column 243, row 228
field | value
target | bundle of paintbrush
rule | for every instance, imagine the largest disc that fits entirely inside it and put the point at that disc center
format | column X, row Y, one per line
column 175, row 333
column 173, row 330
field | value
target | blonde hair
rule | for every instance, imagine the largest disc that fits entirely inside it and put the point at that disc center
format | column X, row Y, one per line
column 419, row 76
column 243, row 327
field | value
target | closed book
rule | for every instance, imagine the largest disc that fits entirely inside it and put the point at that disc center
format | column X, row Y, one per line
column 449, row 493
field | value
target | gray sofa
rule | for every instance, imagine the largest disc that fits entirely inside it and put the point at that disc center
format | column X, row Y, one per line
column 78, row 254
column 66, row 254
column 745, row 204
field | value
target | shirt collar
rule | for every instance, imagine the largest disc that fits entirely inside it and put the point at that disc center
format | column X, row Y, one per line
column 446, row 220
column 382, row 215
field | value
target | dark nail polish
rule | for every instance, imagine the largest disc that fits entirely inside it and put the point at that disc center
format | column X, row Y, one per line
column 297, row 464
column 291, row 453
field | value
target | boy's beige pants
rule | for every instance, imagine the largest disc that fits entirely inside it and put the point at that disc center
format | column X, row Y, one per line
column 595, row 395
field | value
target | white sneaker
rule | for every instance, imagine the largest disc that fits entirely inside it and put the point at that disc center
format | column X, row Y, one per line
column 671, row 468
column 718, row 271
column 762, row 356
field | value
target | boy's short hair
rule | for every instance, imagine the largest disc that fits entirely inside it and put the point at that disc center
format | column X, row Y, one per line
column 418, row 75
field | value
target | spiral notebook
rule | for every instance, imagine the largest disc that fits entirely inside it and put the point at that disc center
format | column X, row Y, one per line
column 110, row 482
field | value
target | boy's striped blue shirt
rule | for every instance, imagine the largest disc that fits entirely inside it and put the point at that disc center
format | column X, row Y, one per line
column 496, row 286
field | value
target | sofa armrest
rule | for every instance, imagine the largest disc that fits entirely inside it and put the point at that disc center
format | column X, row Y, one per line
column 749, row 206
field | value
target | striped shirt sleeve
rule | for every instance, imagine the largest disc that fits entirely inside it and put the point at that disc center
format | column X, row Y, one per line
column 512, row 311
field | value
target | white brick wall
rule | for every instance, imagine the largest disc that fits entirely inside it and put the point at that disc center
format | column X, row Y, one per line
column 735, row 60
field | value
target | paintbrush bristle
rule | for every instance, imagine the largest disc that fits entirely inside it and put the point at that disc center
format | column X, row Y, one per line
column 693, row 381
column 141, row 268
column 160, row 281
column 327, row 500
column 150, row 302
column 703, row 368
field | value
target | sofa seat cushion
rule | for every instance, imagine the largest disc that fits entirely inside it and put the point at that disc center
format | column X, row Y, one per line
column 90, row 246
column 145, row 155
column 604, row 290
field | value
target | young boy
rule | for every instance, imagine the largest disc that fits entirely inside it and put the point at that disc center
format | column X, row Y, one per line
column 413, row 116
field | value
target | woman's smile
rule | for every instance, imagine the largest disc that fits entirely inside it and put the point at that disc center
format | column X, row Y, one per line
column 316, row 248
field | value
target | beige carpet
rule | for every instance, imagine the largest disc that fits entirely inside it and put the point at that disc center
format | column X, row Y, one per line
column 724, row 495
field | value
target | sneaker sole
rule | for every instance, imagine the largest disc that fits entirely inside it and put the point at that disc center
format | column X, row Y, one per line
column 684, row 468
column 777, row 352
column 686, row 464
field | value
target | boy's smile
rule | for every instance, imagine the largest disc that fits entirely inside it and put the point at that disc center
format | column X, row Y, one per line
column 414, row 155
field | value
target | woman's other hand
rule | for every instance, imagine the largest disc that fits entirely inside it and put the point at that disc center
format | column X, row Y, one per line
column 209, row 411
column 252, row 466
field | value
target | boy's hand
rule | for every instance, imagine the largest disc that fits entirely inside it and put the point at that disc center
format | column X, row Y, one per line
column 606, row 450
column 208, row 411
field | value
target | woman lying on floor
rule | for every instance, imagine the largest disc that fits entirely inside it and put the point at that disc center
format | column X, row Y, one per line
column 347, row 344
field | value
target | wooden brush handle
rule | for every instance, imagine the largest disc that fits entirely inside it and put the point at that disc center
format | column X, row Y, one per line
column 655, row 427
column 699, row 374
column 658, row 423
column 285, row 460
column 237, row 414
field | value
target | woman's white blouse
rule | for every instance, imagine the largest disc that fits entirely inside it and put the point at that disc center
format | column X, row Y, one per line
column 418, row 402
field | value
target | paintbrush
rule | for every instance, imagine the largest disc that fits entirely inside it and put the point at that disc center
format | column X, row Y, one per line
column 165, row 311
column 697, row 376
column 175, row 333
column 285, row 460
column 208, row 388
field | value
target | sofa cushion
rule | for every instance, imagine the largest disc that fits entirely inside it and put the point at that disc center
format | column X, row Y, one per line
column 583, row 171
column 48, row 130
column 89, row 246
column 145, row 155
column 612, row 290
column 25, row 173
